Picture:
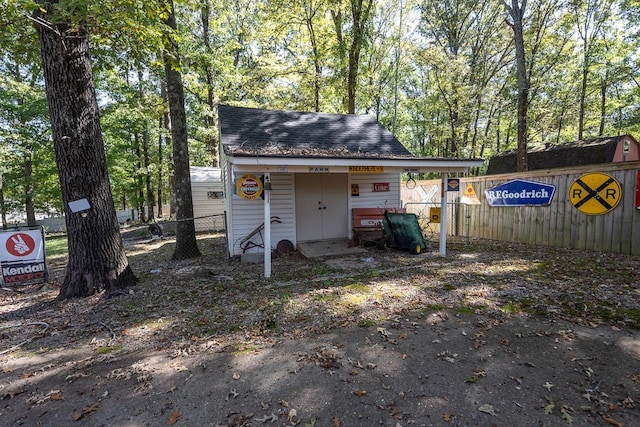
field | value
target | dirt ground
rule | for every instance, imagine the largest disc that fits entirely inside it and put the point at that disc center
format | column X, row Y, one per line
column 494, row 334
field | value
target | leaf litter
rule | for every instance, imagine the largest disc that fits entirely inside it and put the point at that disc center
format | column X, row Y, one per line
column 394, row 340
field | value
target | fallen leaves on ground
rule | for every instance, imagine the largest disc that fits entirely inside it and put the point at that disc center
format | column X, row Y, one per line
column 175, row 416
column 86, row 411
column 205, row 305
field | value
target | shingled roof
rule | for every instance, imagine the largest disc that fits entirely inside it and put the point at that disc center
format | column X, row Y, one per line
column 248, row 132
column 578, row 153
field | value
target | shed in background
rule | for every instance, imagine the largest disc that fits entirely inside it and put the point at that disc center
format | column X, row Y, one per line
column 208, row 198
column 623, row 148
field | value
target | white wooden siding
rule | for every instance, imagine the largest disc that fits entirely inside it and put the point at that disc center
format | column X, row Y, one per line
column 370, row 199
column 249, row 214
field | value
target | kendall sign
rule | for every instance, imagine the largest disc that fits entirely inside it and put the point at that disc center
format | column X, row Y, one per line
column 519, row 192
column 22, row 256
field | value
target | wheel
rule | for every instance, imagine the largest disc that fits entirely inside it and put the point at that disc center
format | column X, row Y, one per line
column 381, row 243
column 390, row 242
column 156, row 230
column 415, row 248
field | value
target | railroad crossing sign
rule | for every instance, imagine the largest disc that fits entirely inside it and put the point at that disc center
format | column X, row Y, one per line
column 595, row 193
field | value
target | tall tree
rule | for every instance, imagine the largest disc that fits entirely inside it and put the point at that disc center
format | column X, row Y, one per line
column 350, row 38
column 97, row 260
column 466, row 54
column 209, row 116
column 186, row 243
column 516, row 11
column 590, row 17
column 360, row 14
column 27, row 161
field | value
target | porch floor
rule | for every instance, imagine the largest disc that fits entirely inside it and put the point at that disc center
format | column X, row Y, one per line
column 333, row 247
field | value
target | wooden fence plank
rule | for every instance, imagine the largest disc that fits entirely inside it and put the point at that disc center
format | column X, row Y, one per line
column 559, row 224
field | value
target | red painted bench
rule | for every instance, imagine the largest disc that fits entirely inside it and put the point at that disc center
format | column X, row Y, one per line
column 367, row 223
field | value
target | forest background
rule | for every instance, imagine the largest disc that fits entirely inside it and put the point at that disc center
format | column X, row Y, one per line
column 446, row 78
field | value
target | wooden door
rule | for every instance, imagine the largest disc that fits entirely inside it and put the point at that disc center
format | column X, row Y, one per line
column 321, row 206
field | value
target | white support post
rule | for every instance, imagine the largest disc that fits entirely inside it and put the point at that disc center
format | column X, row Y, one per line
column 443, row 215
column 267, row 225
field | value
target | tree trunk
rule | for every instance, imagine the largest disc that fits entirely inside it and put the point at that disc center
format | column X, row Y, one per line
column 29, row 202
column 142, row 213
column 516, row 11
column 360, row 10
column 583, row 98
column 161, row 128
column 310, row 13
column 147, row 174
column 149, row 196
column 97, row 260
column 3, row 211
column 186, row 243
column 336, row 16
column 209, row 119
column 164, row 140
column 603, row 104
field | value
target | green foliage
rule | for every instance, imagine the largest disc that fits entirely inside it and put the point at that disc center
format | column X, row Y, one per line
column 439, row 75
column 24, row 122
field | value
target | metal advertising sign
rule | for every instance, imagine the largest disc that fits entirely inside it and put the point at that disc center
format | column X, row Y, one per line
column 453, row 184
column 595, row 193
column 22, row 256
column 434, row 215
column 470, row 197
column 366, row 169
column 519, row 192
column 249, row 187
column 381, row 187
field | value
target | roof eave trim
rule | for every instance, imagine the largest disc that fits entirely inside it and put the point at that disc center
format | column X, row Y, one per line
column 321, row 161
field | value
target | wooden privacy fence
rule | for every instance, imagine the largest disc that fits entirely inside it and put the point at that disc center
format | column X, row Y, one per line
column 560, row 224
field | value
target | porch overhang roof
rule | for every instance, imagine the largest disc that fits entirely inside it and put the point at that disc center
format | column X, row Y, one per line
column 395, row 164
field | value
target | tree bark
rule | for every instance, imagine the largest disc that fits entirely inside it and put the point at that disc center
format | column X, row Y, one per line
column 142, row 213
column 147, row 174
column 29, row 202
column 310, row 14
column 603, row 103
column 360, row 11
column 97, row 260
column 583, row 97
column 516, row 11
column 186, row 243
column 209, row 117
column 336, row 16
column 3, row 209
column 146, row 157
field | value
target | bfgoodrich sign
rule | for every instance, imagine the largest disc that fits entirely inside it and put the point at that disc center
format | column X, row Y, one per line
column 519, row 192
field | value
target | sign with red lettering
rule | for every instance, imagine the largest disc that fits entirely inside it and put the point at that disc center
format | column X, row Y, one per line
column 381, row 186
column 22, row 256
column 249, row 187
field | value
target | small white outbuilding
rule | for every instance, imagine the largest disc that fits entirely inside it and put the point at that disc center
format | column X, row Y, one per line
column 208, row 198
column 296, row 176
